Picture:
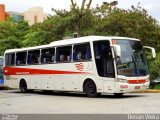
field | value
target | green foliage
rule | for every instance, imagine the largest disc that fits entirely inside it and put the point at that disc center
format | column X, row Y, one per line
column 157, row 87
column 12, row 34
column 134, row 22
column 155, row 67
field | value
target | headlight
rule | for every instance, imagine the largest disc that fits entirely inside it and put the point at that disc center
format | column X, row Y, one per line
column 122, row 80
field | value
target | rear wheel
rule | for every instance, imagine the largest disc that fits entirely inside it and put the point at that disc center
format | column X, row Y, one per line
column 23, row 86
column 91, row 89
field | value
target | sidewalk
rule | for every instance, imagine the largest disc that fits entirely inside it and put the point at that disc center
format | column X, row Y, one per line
column 148, row 91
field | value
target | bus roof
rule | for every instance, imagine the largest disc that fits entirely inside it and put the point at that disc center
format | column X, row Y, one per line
column 71, row 41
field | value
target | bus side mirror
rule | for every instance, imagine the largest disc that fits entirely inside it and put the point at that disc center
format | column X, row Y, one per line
column 117, row 50
column 152, row 50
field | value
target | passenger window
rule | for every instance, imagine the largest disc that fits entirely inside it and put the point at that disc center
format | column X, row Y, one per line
column 82, row 52
column 64, row 54
column 21, row 58
column 47, row 55
column 34, row 57
column 10, row 59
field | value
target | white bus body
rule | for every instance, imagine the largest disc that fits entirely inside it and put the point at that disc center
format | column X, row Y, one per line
column 90, row 65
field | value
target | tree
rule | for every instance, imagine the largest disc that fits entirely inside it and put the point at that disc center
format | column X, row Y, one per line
column 11, row 34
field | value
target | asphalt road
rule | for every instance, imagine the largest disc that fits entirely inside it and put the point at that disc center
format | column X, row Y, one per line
column 12, row 101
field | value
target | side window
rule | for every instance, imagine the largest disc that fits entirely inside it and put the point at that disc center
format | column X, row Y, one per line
column 64, row 54
column 21, row 58
column 10, row 59
column 47, row 55
column 34, row 57
column 82, row 52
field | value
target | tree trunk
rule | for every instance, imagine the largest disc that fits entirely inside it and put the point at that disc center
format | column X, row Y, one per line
column 89, row 4
column 73, row 4
column 83, row 4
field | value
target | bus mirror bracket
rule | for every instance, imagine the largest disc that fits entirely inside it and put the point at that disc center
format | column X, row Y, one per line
column 152, row 50
column 117, row 50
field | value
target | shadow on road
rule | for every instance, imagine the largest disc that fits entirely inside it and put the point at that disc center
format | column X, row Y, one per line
column 71, row 94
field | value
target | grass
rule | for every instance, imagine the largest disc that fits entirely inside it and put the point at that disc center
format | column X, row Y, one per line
column 157, row 87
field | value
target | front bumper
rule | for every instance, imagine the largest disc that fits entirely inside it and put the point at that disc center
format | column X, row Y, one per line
column 126, row 87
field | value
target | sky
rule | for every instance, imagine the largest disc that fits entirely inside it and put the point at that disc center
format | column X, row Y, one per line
column 152, row 6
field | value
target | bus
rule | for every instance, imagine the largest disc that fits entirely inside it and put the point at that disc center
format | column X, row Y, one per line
column 91, row 64
column 1, row 72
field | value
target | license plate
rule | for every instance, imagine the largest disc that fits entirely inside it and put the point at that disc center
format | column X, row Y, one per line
column 137, row 87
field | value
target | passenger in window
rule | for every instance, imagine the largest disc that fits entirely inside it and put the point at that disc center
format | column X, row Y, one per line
column 18, row 62
column 44, row 60
column 79, row 56
column 62, row 59
column 68, row 58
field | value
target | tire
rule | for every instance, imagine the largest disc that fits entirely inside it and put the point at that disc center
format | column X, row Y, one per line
column 91, row 89
column 23, row 86
column 118, row 94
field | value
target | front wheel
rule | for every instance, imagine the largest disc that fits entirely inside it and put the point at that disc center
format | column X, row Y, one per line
column 91, row 89
column 23, row 86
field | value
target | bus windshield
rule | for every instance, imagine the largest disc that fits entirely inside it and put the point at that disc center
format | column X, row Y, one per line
column 133, row 61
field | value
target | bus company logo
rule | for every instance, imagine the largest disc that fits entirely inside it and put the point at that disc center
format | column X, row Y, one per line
column 79, row 66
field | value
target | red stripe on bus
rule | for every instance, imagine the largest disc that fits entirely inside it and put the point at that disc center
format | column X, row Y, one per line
column 29, row 71
column 136, row 81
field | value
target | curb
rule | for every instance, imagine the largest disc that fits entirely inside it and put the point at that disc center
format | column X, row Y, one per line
column 148, row 91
